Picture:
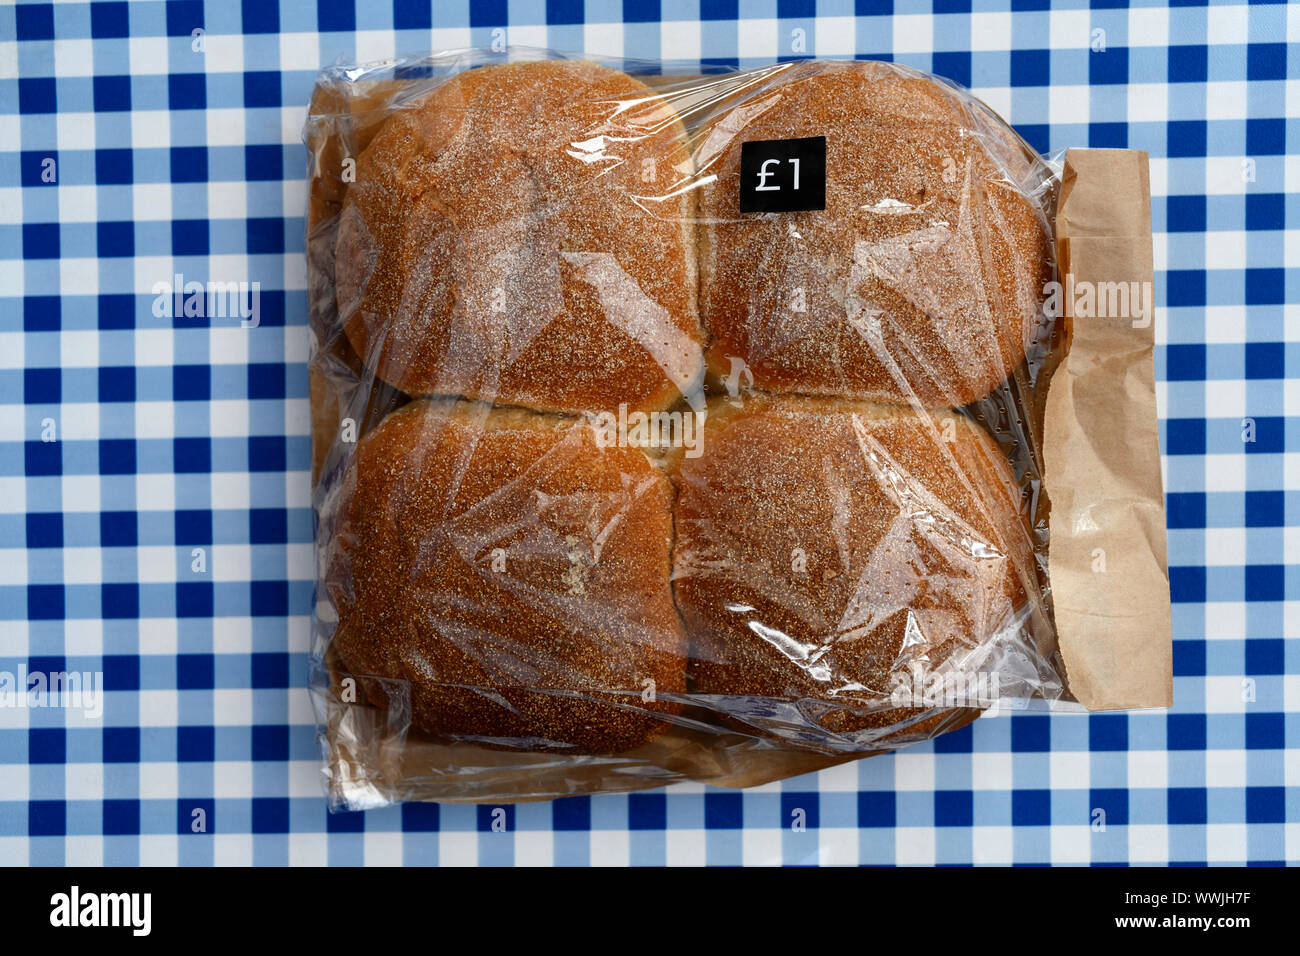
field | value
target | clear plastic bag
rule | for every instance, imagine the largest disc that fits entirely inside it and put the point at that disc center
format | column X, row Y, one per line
column 616, row 484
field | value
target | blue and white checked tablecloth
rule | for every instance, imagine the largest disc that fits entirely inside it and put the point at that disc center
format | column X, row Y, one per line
column 127, row 440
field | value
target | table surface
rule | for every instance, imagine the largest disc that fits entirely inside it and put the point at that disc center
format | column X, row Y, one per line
column 176, row 435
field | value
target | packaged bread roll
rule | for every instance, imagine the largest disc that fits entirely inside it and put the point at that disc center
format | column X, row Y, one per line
column 517, row 234
column 514, row 574
column 921, row 279
column 837, row 562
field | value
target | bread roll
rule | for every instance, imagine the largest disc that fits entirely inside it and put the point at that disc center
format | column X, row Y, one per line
column 824, row 548
column 517, row 235
column 921, row 280
column 515, row 573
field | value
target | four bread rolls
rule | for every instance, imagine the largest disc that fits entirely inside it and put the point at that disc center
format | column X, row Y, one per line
column 519, row 251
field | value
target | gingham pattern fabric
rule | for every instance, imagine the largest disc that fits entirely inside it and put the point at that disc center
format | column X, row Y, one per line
column 154, row 506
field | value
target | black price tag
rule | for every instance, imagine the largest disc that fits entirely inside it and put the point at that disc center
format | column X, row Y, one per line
column 783, row 175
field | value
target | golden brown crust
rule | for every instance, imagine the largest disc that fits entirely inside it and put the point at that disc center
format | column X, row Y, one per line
column 823, row 545
column 920, row 281
column 508, row 238
column 514, row 573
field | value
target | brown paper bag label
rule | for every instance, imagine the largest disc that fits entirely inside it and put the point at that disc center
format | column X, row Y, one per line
column 1107, row 555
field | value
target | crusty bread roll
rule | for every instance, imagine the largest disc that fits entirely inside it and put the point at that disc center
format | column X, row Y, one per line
column 515, row 573
column 518, row 235
column 921, row 280
column 825, row 547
